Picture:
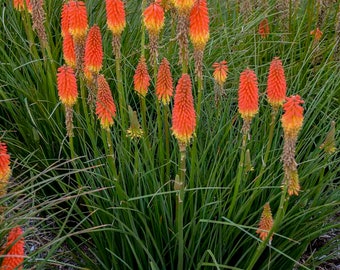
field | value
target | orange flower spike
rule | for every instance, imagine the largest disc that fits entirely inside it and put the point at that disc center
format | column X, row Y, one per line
column 65, row 21
column 22, row 5
column 183, row 113
column 93, row 50
column 5, row 169
column 264, row 28
column 266, row 223
column 184, row 6
column 199, row 24
column 221, row 72
column 105, row 106
column 292, row 118
column 67, row 86
column 248, row 97
column 164, row 83
column 317, row 33
column 115, row 13
column 141, row 78
column 77, row 19
column 68, row 50
column 276, row 84
column 15, row 255
column 154, row 18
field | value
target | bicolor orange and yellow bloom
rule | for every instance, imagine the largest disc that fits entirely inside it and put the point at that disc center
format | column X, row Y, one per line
column 276, row 84
column 266, row 223
column 5, row 169
column 15, row 252
column 153, row 17
column 292, row 118
column 115, row 14
column 93, row 50
column 68, row 50
column 105, row 106
column 199, row 24
column 264, row 28
column 248, row 96
column 220, row 72
column 141, row 78
column 78, row 24
column 184, row 6
column 65, row 21
column 183, row 113
column 22, row 5
column 164, row 83
column 67, row 86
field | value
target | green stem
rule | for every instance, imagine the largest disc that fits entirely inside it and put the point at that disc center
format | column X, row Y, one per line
column 143, row 31
column 121, row 93
column 199, row 95
column 180, row 210
column 111, row 157
column 238, row 176
column 278, row 219
column 270, row 140
column 167, row 142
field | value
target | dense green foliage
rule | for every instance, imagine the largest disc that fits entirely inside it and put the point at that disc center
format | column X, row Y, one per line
column 128, row 222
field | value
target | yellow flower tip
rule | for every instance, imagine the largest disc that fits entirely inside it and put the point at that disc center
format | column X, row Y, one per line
column 183, row 6
column 134, row 131
column 293, row 184
column 266, row 223
column 220, row 72
column 154, row 18
column 292, row 119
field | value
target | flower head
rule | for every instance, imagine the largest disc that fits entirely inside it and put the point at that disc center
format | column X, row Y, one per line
column 276, row 84
column 115, row 16
column 105, row 106
column 5, row 170
column 264, row 28
column 68, row 50
column 183, row 113
column 154, row 18
column 134, row 131
column 248, row 97
column 199, row 24
column 77, row 19
column 22, row 5
column 14, row 257
column 164, row 84
column 220, row 72
column 317, row 33
column 67, row 86
column 65, row 21
column 141, row 78
column 293, row 116
column 183, row 6
column 93, row 50
column 293, row 183
column 266, row 223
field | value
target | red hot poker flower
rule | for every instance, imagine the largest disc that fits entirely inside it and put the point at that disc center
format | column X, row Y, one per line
column 5, row 170
column 292, row 118
column 93, row 50
column 264, row 28
column 65, row 21
column 115, row 16
column 141, row 78
column 266, row 223
column 77, row 19
column 67, row 86
column 248, row 97
column 317, row 33
column 276, row 84
column 20, row 5
column 199, row 24
column 105, row 106
column 183, row 113
column 220, row 72
column 164, row 84
column 15, row 255
column 154, row 18
column 68, row 50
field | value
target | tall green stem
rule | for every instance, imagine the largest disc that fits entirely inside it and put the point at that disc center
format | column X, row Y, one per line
column 121, row 93
column 278, row 219
column 270, row 140
column 167, row 141
column 239, row 175
column 111, row 157
column 180, row 209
